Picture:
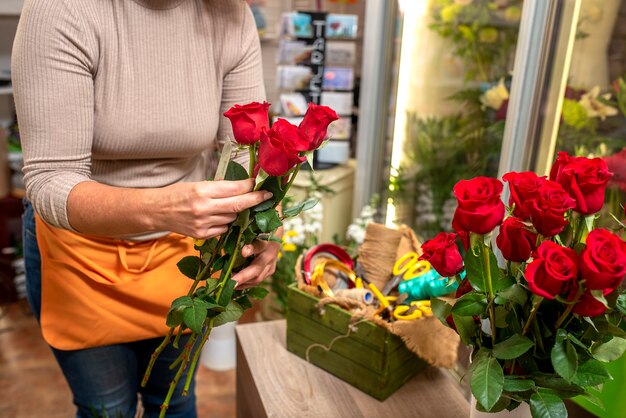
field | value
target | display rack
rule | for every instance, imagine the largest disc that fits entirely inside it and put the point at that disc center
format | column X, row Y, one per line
column 316, row 59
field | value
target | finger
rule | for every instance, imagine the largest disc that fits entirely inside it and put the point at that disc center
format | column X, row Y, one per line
column 227, row 188
column 247, row 277
column 236, row 204
column 255, row 248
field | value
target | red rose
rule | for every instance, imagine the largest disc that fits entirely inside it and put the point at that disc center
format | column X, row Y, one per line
column 584, row 179
column 248, row 121
column 603, row 261
column 553, row 270
column 515, row 240
column 589, row 306
column 443, row 254
column 480, row 208
column 616, row 164
column 280, row 147
column 547, row 209
column 523, row 187
column 314, row 126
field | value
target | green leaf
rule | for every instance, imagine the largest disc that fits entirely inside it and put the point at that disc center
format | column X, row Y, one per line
column 190, row 266
column 268, row 220
column 195, row 315
column 309, row 159
column 244, row 302
column 274, row 185
column 219, row 263
column 211, row 286
column 174, row 317
column 465, row 327
column 231, row 241
column 269, row 203
column 518, row 385
column 300, row 207
column 609, row 351
column 271, row 238
column 591, row 373
column 261, row 177
column 474, row 270
column 593, row 399
column 257, row 292
column 441, row 309
column 564, row 357
column 227, row 292
column 515, row 293
column 545, row 404
column 235, row 171
column 182, row 301
column 470, row 304
column 487, row 381
column 512, row 347
column 232, row 313
column 599, row 296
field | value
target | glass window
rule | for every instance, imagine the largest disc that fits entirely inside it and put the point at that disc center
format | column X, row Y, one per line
column 594, row 105
column 453, row 92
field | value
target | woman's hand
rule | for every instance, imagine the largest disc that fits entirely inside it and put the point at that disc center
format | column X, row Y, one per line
column 205, row 209
column 263, row 265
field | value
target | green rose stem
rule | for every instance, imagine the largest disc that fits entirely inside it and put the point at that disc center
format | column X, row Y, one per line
column 252, row 162
column 533, row 312
column 570, row 306
column 181, row 369
column 492, row 316
column 205, row 337
column 184, row 358
column 155, row 355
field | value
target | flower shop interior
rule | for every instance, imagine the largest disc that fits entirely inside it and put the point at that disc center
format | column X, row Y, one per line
column 445, row 109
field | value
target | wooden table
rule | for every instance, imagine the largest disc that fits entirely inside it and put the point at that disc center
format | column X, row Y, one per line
column 272, row 382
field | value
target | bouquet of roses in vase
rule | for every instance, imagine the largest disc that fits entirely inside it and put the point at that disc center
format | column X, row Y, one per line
column 545, row 320
column 276, row 155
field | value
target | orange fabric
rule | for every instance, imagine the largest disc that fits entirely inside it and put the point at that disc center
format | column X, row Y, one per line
column 99, row 291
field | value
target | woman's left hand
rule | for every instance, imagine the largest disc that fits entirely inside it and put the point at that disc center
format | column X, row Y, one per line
column 263, row 265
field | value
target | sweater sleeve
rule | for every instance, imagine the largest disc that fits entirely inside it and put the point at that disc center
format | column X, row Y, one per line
column 244, row 82
column 52, row 67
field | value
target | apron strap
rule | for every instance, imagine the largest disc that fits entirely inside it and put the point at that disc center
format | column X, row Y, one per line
column 121, row 249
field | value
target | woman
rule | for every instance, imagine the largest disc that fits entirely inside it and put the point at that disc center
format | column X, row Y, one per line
column 120, row 106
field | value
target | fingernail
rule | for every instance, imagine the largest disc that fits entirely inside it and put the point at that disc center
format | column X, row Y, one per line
column 267, row 195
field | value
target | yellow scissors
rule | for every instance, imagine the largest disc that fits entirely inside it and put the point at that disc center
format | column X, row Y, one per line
column 394, row 306
column 407, row 267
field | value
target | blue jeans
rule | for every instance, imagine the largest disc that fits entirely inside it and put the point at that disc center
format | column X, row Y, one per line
column 105, row 380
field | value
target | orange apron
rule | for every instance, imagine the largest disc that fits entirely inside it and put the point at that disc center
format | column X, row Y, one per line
column 98, row 291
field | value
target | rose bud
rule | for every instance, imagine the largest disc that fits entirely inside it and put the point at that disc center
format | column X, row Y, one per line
column 547, row 209
column 443, row 254
column 280, row 147
column 314, row 126
column 515, row 240
column 480, row 208
column 603, row 261
column 589, row 306
column 248, row 121
column 553, row 270
column 523, row 187
column 585, row 180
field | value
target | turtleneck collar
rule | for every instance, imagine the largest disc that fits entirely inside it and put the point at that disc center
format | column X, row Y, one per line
column 159, row 4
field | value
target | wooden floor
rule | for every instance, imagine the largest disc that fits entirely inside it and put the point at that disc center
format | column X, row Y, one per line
column 32, row 386
column 31, row 383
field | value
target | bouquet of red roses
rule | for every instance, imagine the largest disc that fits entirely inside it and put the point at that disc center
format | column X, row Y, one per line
column 276, row 155
column 545, row 318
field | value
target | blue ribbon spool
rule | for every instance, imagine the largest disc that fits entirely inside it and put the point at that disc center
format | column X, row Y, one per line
column 427, row 285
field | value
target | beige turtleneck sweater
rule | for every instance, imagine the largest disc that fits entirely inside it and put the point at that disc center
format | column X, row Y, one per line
column 128, row 93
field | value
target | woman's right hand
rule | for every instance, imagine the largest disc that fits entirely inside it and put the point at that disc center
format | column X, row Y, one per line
column 205, row 209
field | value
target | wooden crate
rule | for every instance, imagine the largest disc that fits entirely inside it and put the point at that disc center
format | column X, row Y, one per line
column 371, row 359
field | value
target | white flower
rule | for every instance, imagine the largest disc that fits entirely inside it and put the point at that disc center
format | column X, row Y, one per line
column 356, row 233
column 595, row 108
column 495, row 96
